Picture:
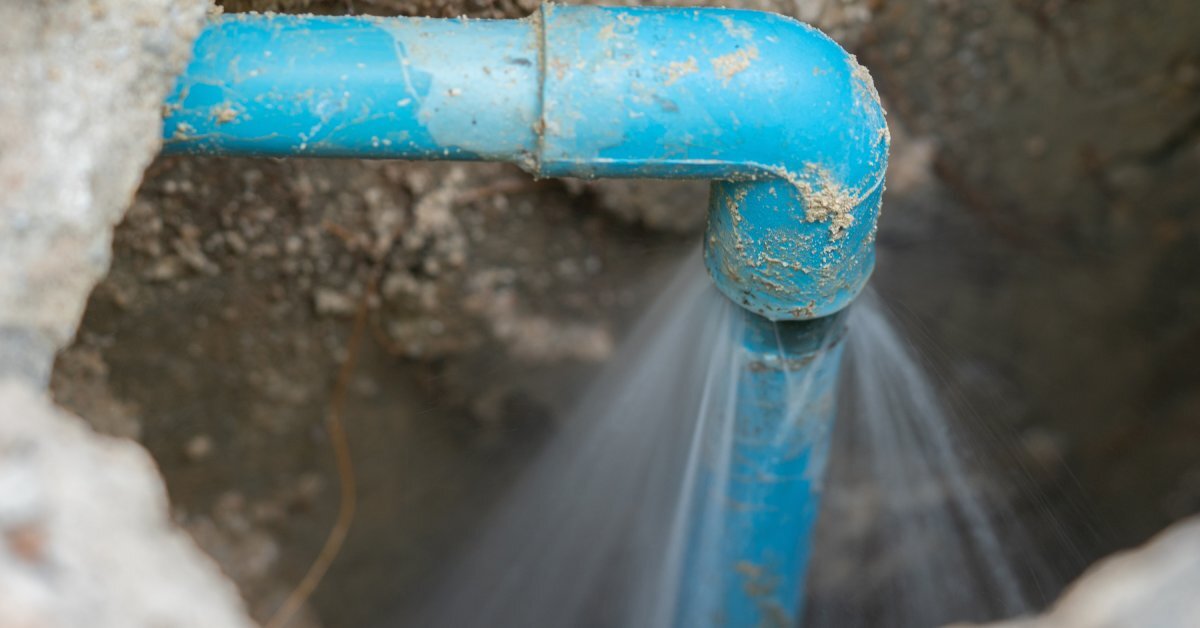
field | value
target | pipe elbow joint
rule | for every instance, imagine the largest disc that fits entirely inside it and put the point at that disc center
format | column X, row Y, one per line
column 784, row 120
column 796, row 241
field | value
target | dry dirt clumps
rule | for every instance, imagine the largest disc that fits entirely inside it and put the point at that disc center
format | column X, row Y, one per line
column 844, row 20
column 233, row 289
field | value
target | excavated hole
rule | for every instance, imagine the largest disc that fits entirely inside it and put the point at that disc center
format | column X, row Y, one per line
column 216, row 337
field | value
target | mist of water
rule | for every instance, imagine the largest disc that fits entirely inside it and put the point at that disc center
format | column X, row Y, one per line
column 594, row 534
column 590, row 535
column 918, row 530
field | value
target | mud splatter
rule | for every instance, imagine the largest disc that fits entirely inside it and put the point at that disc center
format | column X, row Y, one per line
column 826, row 199
column 736, row 30
column 679, row 69
column 867, row 95
column 728, row 66
column 224, row 114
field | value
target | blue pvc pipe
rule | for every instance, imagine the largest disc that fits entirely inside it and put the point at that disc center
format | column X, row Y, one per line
column 786, row 124
column 292, row 86
column 747, row 566
column 783, row 120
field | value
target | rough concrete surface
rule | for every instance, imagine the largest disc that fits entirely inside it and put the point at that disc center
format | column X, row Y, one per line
column 86, row 80
column 1152, row 585
column 85, row 538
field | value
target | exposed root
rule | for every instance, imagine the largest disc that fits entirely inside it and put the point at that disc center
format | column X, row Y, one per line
column 347, row 483
column 335, row 424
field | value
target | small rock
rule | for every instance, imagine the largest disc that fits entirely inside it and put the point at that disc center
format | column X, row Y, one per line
column 329, row 302
column 198, row 447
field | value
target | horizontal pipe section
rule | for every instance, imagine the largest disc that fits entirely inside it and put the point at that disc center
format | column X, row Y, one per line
column 360, row 87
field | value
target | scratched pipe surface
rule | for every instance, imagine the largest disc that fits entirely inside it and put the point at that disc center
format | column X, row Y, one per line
column 786, row 124
column 290, row 86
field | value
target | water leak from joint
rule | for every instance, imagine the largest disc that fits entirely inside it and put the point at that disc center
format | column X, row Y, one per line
column 917, row 527
column 619, row 522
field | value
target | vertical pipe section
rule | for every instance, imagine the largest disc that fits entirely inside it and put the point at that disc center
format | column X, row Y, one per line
column 289, row 86
column 759, row 494
column 786, row 408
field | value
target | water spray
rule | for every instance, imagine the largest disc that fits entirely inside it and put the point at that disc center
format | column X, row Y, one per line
column 784, row 122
